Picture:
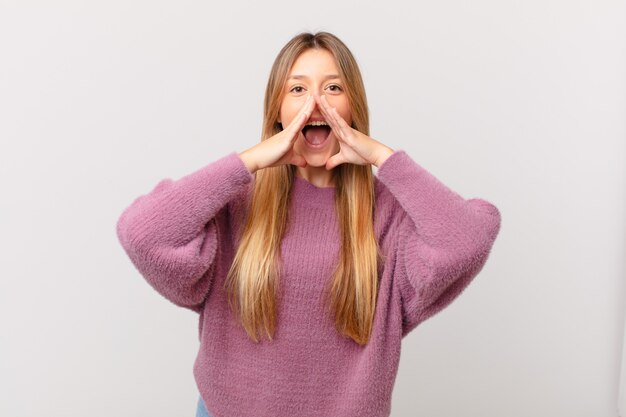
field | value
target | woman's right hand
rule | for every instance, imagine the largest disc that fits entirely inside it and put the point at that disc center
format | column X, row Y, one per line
column 278, row 150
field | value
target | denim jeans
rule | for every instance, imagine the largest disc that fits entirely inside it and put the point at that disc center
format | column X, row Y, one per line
column 201, row 411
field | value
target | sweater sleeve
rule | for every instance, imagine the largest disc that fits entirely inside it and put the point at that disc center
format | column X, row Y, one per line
column 443, row 239
column 170, row 234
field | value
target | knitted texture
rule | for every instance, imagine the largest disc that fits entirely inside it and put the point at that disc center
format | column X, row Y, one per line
column 181, row 238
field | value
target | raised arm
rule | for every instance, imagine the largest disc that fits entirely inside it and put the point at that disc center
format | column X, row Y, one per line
column 170, row 234
column 444, row 240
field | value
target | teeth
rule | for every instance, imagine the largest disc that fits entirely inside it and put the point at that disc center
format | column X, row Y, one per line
column 320, row 123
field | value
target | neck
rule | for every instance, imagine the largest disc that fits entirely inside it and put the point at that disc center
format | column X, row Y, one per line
column 318, row 176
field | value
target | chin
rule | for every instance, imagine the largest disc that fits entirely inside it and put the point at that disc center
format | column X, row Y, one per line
column 316, row 160
column 314, row 157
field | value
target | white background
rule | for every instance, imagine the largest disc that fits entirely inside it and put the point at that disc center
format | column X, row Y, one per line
column 518, row 102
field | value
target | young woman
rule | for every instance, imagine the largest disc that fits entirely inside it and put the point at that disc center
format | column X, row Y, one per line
column 305, row 268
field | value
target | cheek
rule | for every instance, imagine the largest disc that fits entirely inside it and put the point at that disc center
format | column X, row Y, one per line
column 346, row 116
column 343, row 109
column 282, row 114
column 287, row 113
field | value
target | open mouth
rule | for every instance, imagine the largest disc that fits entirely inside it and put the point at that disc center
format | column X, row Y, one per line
column 316, row 135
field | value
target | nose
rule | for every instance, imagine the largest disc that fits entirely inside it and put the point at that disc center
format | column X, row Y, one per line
column 317, row 98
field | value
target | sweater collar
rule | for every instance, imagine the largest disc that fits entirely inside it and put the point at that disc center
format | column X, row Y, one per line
column 307, row 194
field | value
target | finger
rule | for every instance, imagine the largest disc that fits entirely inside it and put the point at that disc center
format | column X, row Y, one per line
column 307, row 107
column 331, row 118
column 340, row 120
column 302, row 116
column 297, row 123
column 297, row 159
column 323, row 105
column 302, row 162
column 333, row 161
column 345, row 130
column 331, row 122
column 332, row 111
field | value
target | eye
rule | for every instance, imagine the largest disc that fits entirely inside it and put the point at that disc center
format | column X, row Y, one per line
column 335, row 85
column 294, row 89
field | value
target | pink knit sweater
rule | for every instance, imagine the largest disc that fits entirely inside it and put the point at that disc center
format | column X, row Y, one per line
column 179, row 236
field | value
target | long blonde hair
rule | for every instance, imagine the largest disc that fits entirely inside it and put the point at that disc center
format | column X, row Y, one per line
column 252, row 280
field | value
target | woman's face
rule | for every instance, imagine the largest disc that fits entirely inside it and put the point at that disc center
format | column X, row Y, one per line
column 316, row 73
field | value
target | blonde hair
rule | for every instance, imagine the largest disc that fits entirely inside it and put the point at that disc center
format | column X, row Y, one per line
column 252, row 280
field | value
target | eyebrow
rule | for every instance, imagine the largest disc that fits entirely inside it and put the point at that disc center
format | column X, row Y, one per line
column 328, row 77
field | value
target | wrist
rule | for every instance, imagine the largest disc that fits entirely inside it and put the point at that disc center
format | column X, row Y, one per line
column 248, row 161
column 384, row 153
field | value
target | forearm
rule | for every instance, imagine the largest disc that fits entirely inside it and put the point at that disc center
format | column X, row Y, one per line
column 248, row 161
column 384, row 152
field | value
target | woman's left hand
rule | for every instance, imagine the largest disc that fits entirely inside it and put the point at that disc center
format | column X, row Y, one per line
column 354, row 146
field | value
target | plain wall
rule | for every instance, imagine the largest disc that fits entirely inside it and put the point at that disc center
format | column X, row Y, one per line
column 520, row 103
